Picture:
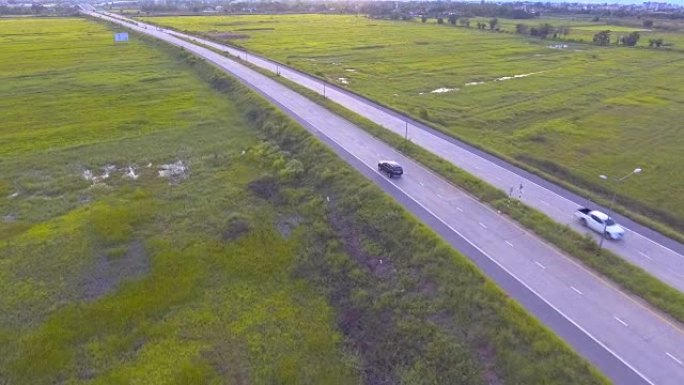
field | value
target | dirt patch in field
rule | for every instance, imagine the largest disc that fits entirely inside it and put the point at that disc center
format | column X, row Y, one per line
column 286, row 224
column 227, row 35
column 265, row 187
column 235, row 228
column 109, row 271
column 256, row 29
column 369, row 47
column 379, row 266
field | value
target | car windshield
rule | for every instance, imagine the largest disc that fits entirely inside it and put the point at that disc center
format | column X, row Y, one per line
column 610, row 222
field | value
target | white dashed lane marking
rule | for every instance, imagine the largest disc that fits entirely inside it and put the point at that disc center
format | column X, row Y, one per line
column 674, row 358
column 645, row 256
column 620, row 321
column 576, row 290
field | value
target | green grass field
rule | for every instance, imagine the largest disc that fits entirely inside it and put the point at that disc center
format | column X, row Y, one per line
column 235, row 270
column 575, row 113
column 149, row 280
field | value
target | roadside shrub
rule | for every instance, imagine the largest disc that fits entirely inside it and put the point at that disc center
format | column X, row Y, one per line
column 293, row 169
column 423, row 113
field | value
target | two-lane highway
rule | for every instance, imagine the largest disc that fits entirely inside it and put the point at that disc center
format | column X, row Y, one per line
column 660, row 256
column 629, row 342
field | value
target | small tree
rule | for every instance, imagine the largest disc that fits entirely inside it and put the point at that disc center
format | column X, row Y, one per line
column 631, row 39
column 648, row 23
column 545, row 30
column 423, row 19
column 602, row 38
column 452, row 19
column 440, row 20
column 493, row 23
column 521, row 29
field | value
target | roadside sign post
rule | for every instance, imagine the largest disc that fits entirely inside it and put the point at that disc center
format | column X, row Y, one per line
column 120, row 37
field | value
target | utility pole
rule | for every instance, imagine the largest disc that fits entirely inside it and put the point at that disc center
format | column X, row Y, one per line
column 612, row 201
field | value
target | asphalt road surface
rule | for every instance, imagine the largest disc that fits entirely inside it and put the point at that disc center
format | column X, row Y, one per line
column 660, row 256
column 628, row 341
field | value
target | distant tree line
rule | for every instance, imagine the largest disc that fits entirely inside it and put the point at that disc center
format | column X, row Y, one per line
column 38, row 9
column 543, row 31
column 411, row 9
column 603, row 38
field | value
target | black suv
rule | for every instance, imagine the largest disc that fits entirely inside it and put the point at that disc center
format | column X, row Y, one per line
column 390, row 167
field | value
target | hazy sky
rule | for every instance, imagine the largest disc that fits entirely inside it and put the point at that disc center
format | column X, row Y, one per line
column 675, row 2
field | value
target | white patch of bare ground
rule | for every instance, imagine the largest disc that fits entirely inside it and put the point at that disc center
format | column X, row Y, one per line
column 128, row 172
column 175, row 172
column 443, row 90
column 131, row 173
column 517, row 76
column 89, row 175
column 343, row 80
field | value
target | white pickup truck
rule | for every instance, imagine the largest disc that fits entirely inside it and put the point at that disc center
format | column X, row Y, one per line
column 600, row 222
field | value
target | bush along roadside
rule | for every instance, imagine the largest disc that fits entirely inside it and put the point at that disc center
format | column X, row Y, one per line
column 583, row 248
column 410, row 306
